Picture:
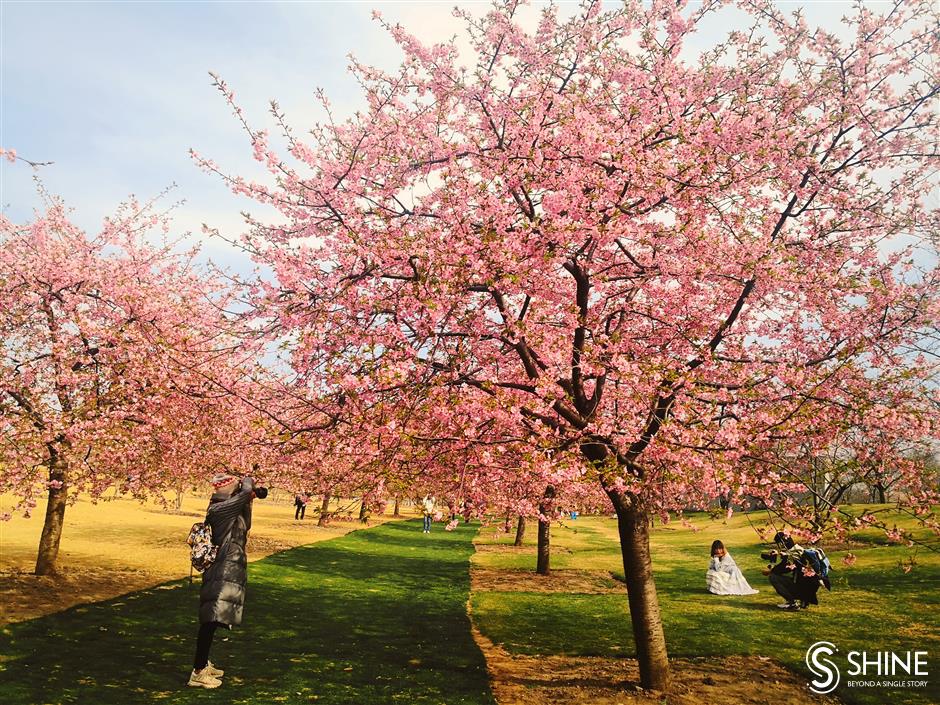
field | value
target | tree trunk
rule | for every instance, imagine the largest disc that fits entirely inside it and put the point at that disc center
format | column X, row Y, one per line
column 545, row 531
column 544, row 548
column 633, row 526
column 324, row 511
column 520, row 531
column 880, row 493
column 55, row 517
column 363, row 512
column 397, row 511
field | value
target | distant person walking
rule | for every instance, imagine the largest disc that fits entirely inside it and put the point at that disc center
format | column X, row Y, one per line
column 427, row 507
column 300, row 505
column 222, row 595
column 467, row 510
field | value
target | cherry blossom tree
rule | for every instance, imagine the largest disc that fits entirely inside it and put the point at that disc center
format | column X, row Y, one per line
column 860, row 447
column 105, row 343
column 594, row 242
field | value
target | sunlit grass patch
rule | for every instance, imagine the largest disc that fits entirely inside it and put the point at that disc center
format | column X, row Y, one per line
column 874, row 605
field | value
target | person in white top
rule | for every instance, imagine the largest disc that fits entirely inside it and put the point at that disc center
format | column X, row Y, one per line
column 723, row 576
column 428, row 508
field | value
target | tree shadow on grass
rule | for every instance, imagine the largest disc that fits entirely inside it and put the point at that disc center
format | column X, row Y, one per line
column 372, row 617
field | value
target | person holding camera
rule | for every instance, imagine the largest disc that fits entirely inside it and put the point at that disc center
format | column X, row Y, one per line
column 222, row 595
column 790, row 574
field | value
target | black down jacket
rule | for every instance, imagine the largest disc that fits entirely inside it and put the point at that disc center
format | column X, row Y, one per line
column 222, row 596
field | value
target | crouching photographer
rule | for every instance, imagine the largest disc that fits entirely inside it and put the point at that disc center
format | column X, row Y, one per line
column 796, row 573
column 222, row 595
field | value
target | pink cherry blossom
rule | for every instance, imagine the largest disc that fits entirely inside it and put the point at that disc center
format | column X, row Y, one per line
column 596, row 257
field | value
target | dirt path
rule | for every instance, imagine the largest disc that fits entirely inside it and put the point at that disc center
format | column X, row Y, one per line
column 549, row 680
column 593, row 680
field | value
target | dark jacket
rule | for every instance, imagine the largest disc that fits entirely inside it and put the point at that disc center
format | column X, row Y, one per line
column 804, row 588
column 222, row 595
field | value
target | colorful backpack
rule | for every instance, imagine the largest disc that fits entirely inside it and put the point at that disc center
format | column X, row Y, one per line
column 818, row 561
column 202, row 551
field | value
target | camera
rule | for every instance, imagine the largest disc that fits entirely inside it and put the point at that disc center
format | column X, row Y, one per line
column 260, row 492
column 771, row 555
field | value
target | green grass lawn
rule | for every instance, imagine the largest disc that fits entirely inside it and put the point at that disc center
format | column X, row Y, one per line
column 377, row 616
column 873, row 605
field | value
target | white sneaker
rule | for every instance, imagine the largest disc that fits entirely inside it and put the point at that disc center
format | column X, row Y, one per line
column 202, row 679
column 213, row 671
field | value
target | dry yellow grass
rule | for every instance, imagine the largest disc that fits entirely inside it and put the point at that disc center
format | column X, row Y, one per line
column 120, row 545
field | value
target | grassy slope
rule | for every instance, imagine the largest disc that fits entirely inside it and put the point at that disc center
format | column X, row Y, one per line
column 377, row 616
column 873, row 606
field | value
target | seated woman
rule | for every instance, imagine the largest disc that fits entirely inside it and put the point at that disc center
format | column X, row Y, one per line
column 723, row 576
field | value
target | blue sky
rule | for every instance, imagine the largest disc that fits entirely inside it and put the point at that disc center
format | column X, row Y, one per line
column 115, row 93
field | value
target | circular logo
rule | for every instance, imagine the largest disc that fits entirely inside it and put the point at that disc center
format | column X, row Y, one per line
column 826, row 672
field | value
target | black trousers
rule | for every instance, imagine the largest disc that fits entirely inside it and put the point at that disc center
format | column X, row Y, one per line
column 784, row 586
column 300, row 511
column 204, row 643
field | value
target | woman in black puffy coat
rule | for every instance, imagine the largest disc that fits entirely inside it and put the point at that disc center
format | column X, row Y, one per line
column 222, row 596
